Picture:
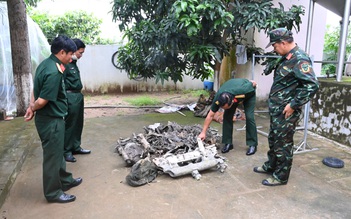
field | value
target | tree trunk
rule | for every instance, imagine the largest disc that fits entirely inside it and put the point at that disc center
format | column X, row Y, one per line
column 217, row 70
column 20, row 53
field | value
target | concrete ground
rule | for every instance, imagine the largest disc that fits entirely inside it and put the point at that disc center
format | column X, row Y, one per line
column 314, row 190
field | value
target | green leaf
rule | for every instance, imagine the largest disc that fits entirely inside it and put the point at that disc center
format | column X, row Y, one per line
column 167, row 39
column 184, row 5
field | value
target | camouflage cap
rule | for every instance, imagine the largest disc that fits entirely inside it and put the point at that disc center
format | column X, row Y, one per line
column 278, row 35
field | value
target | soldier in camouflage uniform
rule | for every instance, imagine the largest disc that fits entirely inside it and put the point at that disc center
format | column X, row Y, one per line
column 294, row 85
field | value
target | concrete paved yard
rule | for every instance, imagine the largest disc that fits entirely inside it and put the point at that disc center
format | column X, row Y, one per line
column 314, row 190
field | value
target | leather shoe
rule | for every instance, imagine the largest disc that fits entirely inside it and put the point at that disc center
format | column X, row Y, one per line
column 75, row 183
column 227, row 147
column 252, row 150
column 82, row 151
column 70, row 158
column 64, row 198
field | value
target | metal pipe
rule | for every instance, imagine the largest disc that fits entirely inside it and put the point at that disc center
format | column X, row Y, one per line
column 253, row 67
column 345, row 24
column 266, row 56
column 120, row 106
column 262, row 133
column 330, row 62
column 309, row 27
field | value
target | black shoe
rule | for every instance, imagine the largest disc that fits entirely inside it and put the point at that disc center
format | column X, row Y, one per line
column 75, row 183
column 252, row 150
column 70, row 158
column 82, row 151
column 64, row 198
column 227, row 147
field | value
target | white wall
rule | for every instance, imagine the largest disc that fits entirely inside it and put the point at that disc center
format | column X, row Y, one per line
column 100, row 76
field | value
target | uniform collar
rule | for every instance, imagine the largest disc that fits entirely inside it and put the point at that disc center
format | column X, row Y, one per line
column 53, row 57
column 290, row 54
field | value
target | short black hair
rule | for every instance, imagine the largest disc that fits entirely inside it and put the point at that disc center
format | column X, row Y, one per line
column 225, row 98
column 62, row 42
column 79, row 43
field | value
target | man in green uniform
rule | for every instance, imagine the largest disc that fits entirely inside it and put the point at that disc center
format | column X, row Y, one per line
column 228, row 97
column 75, row 117
column 50, row 104
column 294, row 85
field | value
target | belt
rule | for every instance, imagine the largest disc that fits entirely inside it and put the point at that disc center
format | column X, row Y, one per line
column 73, row 91
column 49, row 117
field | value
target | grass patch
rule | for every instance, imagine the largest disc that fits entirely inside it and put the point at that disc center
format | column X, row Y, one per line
column 87, row 97
column 143, row 101
column 197, row 93
column 346, row 79
column 106, row 96
column 191, row 92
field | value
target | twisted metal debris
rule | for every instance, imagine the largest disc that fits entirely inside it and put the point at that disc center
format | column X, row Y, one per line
column 173, row 148
column 191, row 162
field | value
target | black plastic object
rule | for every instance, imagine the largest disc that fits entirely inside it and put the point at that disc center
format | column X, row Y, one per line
column 333, row 162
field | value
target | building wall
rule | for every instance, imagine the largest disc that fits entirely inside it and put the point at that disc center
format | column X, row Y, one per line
column 330, row 114
column 261, row 40
column 100, row 76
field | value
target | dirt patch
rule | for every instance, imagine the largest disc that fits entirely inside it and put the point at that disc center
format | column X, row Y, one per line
column 113, row 105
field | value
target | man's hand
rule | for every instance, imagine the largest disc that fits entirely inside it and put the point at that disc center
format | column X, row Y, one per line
column 207, row 123
column 29, row 114
column 202, row 136
column 254, row 84
column 288, row 111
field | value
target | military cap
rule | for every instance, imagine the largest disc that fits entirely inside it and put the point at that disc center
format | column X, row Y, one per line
column 278, row 35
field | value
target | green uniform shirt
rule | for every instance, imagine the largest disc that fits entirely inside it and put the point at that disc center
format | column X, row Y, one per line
column 72, row 77
column 49, row 85
column 236, row 86
column 294, row 82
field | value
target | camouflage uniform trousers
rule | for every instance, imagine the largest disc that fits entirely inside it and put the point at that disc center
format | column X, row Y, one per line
column 281, row 145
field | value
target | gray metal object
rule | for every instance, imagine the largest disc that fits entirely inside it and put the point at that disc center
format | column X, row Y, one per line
column 201, row 158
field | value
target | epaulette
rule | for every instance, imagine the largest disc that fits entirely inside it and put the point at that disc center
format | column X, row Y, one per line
column 61, row 68
column 240, row 96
